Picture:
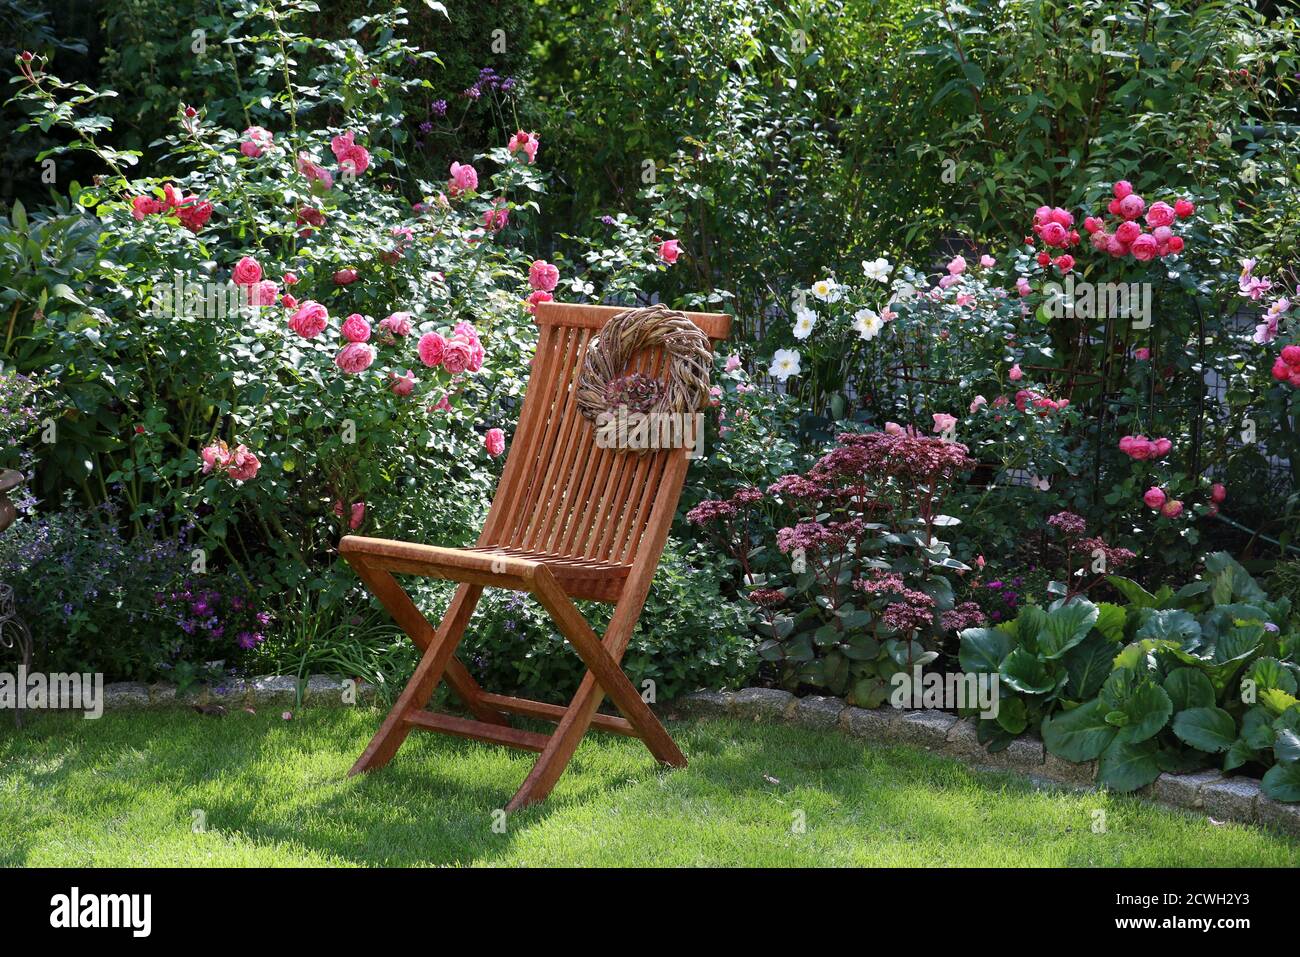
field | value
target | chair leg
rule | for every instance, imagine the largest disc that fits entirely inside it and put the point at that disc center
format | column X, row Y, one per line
column 416, row 694
column 412, row 621
column 606, row 670
column 582, row 708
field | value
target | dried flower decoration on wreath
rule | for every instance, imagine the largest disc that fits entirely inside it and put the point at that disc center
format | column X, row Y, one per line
column 682, row 386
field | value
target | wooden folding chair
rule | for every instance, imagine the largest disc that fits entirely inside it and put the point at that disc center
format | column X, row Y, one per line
column 569, row 520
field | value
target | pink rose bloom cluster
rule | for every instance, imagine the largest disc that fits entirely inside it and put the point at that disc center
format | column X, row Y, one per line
column 525, row 143
column 239, row 464
column 1142, row 449
column 255, row 141
column 353, row 159
column 1054, row 227
column 460, row 352
column 669, row 250
column 1287, row 367
column 1126, row 237
column 247, row 274
column 494, row 442
column 193, row 211
column 1027, row 398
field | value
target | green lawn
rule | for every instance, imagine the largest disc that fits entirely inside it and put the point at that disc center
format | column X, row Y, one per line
column 123, row 791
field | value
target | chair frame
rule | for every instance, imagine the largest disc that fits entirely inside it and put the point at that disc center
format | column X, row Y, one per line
column 563, row 524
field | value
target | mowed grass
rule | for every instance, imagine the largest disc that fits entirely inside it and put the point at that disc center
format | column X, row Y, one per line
column 127, row 790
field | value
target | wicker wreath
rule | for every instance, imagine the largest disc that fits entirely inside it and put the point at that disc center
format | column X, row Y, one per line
column 604, row 381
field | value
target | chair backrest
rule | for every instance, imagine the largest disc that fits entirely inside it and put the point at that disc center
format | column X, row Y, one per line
column 562, row 494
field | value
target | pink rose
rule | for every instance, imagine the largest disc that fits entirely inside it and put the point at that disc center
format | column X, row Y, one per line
column 943, row 422
column 1154, row 497
column 431, row 348
column 1175, row 244
column 525, row 142
column 288, row 301
column 465, row 332
column 142, row 206
column 1122, row 189
column 397, row 324
column 1100, row 240
column 956, row 266
column 403, row 383
column 355, row 357
column 357, row 513
column 1162, row 234
column 1016, row 373
column 464, row 179
column 536, row 298
column 457, row 356
column 1291, row 355
column 345, row 277
column 496, row 218
column 543, row 276
column 264, row 293
column 1218, row 492
column 1092, row 224
column 310, row 319
column 1023, row 287
column 1065, row 262
column 355, row 328
column 290, row 279
column 1116, row 247
column 494, row 442
column 1127, row 232
column 246, row 272
column 1054, row 234
column 213, row 457
column 314, row 172
column 1161, row 447
column 669, row 250
column 1142, row 353
column 1132, row 206
column 255, row 140
column 978, row 401
column 242, row 465
column 1172, row 509
column 987, row 261
column 352, row 158
column 1184, row 208
column 1144, row 248
column 732, row 364
column 1160, row 214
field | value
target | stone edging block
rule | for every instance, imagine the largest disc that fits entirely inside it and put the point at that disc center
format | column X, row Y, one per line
column 234, row 692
